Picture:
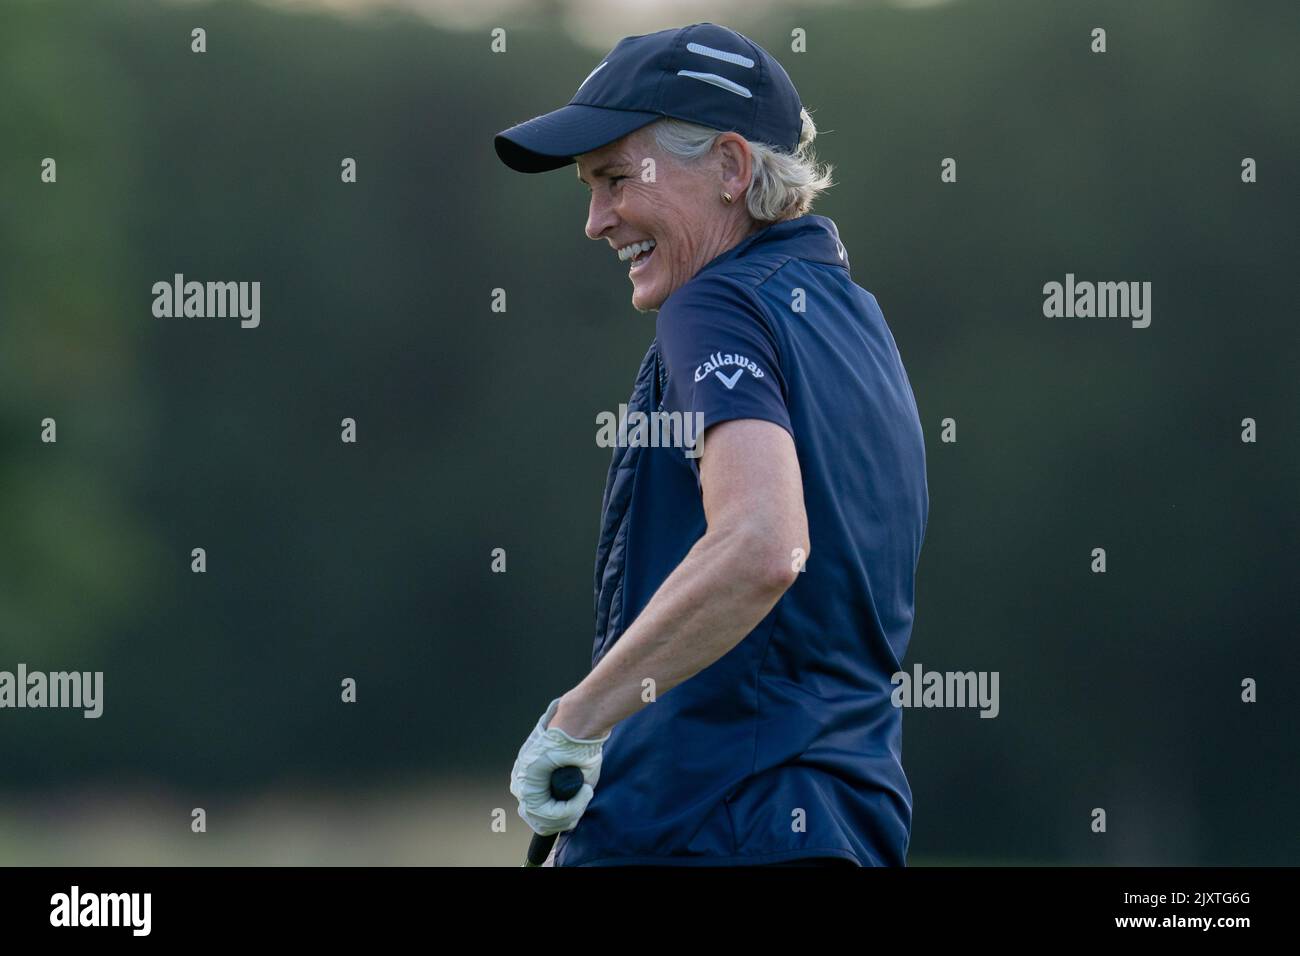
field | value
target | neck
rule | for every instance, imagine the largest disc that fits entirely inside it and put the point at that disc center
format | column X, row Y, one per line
column 737, row 232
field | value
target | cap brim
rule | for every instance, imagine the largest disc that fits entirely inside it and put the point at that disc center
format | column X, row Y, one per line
column 552, row 140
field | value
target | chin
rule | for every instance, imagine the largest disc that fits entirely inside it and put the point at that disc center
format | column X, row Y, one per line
column 648, row 301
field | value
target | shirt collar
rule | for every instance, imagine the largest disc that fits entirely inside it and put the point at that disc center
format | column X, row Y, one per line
column 808, row 237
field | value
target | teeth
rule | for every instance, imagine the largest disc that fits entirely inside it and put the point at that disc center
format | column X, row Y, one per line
column 628, row 252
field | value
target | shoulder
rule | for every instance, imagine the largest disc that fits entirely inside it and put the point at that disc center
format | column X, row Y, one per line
column 720, row 296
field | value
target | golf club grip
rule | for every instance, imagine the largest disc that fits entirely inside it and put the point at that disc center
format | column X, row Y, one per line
column 565, row 784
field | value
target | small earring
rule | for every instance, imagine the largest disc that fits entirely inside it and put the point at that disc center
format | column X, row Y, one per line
column 727, row 197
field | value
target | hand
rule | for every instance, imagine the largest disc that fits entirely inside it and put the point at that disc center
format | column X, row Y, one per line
column 530, row 780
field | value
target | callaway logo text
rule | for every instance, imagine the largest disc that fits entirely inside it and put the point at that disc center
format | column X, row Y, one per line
column 719, row 360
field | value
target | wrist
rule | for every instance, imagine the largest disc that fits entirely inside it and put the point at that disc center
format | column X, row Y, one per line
column 574, row 717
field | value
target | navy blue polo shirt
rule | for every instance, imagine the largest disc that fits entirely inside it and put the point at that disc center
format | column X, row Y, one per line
column 789, row 745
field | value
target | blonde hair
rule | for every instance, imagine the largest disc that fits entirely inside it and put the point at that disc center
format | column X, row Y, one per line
column 783, row 185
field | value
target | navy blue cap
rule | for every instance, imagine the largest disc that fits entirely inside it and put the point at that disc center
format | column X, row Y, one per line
column 703, row 73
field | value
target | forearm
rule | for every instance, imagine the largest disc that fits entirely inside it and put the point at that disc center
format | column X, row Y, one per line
column 719, row 593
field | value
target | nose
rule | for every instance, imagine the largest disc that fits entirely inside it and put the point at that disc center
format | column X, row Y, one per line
column 600, row 215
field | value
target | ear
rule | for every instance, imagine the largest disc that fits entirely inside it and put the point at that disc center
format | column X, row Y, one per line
column 735, row 162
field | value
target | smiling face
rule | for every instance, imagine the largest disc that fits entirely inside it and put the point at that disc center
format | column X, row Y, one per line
column 667, row 221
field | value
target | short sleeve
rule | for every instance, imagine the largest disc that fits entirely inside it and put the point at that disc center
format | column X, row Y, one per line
column 720, row 353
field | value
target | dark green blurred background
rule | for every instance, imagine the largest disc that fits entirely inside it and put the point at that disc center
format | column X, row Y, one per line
column 476, row 429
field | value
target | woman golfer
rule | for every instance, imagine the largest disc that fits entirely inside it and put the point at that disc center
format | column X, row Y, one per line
column 754, row 595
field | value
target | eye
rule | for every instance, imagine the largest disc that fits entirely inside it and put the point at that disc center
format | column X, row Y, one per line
column 615, row 179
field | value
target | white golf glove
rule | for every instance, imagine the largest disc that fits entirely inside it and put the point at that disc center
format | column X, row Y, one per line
column 530, row 781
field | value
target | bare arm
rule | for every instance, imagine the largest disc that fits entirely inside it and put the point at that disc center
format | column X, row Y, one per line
column 726, row 584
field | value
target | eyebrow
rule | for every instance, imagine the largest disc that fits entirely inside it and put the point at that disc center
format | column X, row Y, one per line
column 601, row 170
